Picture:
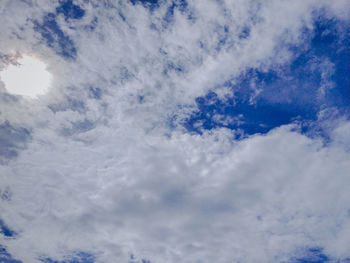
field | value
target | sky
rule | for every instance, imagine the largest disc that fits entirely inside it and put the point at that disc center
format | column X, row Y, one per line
column 182, row 131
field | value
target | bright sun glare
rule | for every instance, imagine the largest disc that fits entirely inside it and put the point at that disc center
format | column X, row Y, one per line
column 28, row 78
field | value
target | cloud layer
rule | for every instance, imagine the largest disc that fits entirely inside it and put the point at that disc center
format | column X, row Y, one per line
column 121, row 162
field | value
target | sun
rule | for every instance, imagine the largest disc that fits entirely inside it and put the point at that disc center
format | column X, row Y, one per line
column 28, row 77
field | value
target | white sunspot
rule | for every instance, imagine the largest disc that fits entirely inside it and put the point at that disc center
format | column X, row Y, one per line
column 28, row 77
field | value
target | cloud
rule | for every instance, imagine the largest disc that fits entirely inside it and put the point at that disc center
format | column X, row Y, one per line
column 187, row 197
column 106, row 165
column 12, row 139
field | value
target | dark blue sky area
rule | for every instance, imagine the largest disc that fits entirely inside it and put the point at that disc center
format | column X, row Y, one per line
column 70, row 10
column 290, row 92
column 316, row 255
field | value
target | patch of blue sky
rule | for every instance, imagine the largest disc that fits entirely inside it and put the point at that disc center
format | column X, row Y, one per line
column 5, row 230
column 80, row 257
column 329, row 43
column 53, row 35
column 5, row 257
column 150, row 4
column 312, row 255
column 95, row 93
column 179, row 4
column 238, row 114
column 223, row 32
column 315, row 255
column 172, row 67
column 316, row 79
column 245, row 33
column 70, row 10
column 167, row 20
column 55, row 38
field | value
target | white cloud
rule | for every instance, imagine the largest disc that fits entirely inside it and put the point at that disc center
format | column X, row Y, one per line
column 189, row 196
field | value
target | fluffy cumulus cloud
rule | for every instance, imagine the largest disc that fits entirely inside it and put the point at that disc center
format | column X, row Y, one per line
column 177, row 131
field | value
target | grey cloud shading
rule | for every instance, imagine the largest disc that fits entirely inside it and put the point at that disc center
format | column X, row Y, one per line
column 189, row 195
column 12, row 139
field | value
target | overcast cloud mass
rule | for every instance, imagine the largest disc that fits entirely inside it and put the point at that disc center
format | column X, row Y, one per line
column 192, row 131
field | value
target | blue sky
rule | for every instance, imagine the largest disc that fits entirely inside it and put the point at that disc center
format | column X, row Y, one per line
column 177, row 131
